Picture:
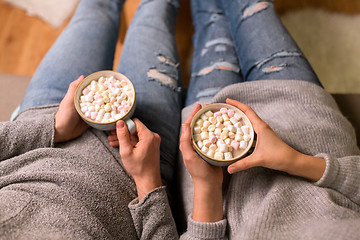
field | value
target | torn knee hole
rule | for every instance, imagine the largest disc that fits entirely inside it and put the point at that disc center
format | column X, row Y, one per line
column 220, row 66
column 275, row 68
column 255, row 8
column 167, row 60
column 162, row 78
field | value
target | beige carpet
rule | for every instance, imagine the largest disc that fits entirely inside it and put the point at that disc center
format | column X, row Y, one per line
column 331, row 42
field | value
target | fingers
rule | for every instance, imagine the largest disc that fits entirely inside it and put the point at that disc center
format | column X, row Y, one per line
column 123, row 136
column 142, row 131
column 242, row 164
column 249, row 112
column 192, row 114
column 185, row 139
column 72, row 88
column 113, row 140
column 186, row 147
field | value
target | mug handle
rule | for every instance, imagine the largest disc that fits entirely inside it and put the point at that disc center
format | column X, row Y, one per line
column 131, row 126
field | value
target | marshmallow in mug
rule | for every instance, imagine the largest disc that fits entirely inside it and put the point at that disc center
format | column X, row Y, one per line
column 221, row 134
column 106, row 99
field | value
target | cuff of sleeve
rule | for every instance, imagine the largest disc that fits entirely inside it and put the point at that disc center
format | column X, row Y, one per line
column 331, row 171
column 206, row 230
column 157, row 193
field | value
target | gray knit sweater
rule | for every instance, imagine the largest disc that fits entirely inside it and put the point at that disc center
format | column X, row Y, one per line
column 79, row 189
column 264, row 204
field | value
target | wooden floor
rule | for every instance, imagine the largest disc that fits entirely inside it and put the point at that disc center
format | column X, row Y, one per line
column 24, row 40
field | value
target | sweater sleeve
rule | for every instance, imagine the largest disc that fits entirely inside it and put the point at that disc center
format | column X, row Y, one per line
column 342, row 175
column 26, row 134
column 152, row 216
column 153, row 220
column 205, row 230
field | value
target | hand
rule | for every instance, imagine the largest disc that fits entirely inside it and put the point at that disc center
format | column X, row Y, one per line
column 207, row 179
column 141, row 157
column 68, row 123
column 201, row 172
column 271, row 152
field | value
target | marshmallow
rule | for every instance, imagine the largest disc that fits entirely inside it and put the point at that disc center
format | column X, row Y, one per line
column 217, row 114
column 204, row 117
column 228, row 155
column 106, row 95
column 246, row 137
column 196, row 137
column 213, row 147
column 219, row 155
column 197, row 129
column 212, row 138
column 231, row 128
column 243, row 144
column 199, row 122
column 233, row 120
column 235, row 144
column 209, row 113
column 230, row 113
column 200, row 144
column 223, row 110
column 225, row 117
column 223, row 147
column 245, row 129
column 204, row 135
column 219, row 134
column 237, row 116
column 212, row 120
column 231, row 135
column 217, row 131
column 238, row 137
column 211, row 128
column 210, row 153
column 204, row 149
column 206, row 143
column 206, row 124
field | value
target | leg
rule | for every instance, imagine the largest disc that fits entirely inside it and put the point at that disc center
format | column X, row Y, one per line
column 215, row 63
column 264, row 47
column 85, row 46
column 150, row 60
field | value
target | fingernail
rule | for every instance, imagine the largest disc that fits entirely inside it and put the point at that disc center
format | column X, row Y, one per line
column 120, row 124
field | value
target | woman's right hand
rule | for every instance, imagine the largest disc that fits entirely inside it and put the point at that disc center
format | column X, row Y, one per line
column 207, row 179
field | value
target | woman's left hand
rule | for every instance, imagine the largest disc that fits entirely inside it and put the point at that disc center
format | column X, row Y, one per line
column 68, row 123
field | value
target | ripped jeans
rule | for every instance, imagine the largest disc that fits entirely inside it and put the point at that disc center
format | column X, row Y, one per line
column 249, row 44
column 241, row 40
column 149, row 59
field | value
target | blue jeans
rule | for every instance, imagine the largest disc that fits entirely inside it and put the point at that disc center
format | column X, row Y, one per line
column 235, row 41
column 149, row 59
column 241, row 40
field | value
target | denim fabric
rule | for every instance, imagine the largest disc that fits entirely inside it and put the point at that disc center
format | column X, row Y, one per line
column 234, row 41
column 149, row 58
column 247, row 33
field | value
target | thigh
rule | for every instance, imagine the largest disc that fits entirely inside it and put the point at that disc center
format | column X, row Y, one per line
column 215, row 64
column 85, row 46
column 264, row 47
column 150, row 60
